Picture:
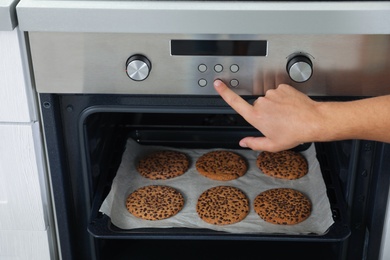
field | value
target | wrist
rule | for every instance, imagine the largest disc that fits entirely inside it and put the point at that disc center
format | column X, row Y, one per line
column 325, row 123
column 337, row 121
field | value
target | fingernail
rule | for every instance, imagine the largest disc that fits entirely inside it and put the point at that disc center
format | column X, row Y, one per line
column 217, row 82
column 243, row 144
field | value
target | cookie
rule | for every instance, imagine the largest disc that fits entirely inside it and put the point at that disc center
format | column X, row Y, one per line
column 222, row 205
column 287, row 164
column 221, row 165
column 282, row 206
column 162, row 165
column 155, row 202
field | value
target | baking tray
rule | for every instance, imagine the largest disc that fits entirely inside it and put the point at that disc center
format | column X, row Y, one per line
column 101, row 225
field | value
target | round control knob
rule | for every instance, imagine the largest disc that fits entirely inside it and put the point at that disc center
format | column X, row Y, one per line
column 138, row 67
column 300, row 68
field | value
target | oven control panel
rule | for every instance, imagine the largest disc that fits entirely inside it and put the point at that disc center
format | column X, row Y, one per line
column 299, row 68
column 175, row 64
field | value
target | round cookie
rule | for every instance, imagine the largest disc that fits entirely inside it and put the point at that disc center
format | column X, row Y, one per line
column 287, row 164
column 221, row 165
column 155, row 202
column 162, row 165
column 282, row 206
column 222, row 205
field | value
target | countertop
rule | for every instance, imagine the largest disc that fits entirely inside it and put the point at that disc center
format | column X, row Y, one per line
column 8, row 19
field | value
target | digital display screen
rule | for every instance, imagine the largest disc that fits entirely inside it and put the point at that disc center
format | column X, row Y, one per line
column 218, row 48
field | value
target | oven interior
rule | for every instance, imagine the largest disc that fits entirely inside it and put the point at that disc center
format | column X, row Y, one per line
column 191, row 131
column 94, row 130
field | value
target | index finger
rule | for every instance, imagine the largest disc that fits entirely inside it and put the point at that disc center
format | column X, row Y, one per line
column 234, row 100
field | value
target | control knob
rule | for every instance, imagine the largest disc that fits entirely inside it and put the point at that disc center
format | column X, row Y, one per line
column 138, row 67
column 300, row 68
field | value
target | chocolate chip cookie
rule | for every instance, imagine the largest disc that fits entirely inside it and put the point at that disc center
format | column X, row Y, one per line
column 221, row 165
column 162, row 165
column 287, row 164
column 282, row 206
column 222, row 205
column 155, row 202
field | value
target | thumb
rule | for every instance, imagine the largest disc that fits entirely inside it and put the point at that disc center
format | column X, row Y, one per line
column 261, row 144
column 257, row 143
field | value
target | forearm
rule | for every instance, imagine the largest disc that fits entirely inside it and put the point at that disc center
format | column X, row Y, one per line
column 361, row 119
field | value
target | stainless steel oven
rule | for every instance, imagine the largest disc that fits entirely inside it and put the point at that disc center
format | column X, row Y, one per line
column 116, row 77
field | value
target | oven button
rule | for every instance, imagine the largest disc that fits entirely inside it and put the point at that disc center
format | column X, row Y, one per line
column 234, row 68
column 202, row 83
column 202, row 68
column 138, row 67
column 300, row 68
column 234, row 83
column 218, row 68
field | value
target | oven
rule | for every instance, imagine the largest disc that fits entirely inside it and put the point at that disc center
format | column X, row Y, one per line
column 118, row 79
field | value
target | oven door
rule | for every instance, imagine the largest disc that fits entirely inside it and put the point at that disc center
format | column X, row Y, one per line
column 86, row 138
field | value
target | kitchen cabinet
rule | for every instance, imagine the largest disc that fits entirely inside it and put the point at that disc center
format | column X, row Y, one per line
column 26, row 225
column 16, row 94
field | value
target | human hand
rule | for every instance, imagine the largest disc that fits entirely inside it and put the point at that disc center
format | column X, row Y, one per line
column 285, row 116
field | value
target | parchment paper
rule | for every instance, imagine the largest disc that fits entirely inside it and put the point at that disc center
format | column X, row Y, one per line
column 192, row 184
